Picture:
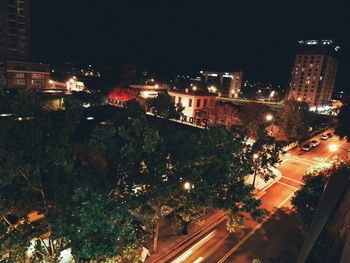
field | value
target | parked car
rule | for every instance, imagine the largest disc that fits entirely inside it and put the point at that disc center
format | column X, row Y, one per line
column 330, row 135
column 306, row 147
column 324, row 137
column 315, row 143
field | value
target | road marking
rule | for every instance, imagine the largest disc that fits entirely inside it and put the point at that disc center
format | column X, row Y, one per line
column 294, row 188
column 200, row 259
column 255, row 228
column 299, row 159
column 290, row 179
column 189, row 252
column 285, row 160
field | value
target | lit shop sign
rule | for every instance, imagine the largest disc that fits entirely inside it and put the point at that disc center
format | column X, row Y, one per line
column 196, row 121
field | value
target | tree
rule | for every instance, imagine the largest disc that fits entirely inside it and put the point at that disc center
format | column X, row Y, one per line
column 265, row 155
column 225, row 114
column 160, row 166
column 294, row 119
column 34, row 157
column 48, row 198
column 343, row 125
column 252, row 116
column 163, row 106
column 306, row 199
column 96, row 226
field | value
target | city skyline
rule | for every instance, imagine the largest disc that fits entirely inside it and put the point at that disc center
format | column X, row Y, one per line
column 186, row 38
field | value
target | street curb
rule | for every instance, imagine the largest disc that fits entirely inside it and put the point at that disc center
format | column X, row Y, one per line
column 278, row 177
column 187, row 242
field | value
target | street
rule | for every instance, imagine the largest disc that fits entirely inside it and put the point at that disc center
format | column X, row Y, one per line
column 277, row 237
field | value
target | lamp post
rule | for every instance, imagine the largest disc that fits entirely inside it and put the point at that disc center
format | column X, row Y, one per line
column 255, row 157
column 334, row 148
column 186, row 186
column 269, row 118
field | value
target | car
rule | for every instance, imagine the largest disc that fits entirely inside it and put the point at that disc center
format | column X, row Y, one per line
column 324, row 137
column 315, row 143
column 330, row 135
column 306, row 147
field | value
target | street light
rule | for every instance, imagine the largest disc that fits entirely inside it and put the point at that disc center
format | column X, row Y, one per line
column 194, row 88
column 334, row 148
column 269, row 118
column 188, row 186
column 255, row 157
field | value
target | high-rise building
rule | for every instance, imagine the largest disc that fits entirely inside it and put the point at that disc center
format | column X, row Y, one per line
column 236, row 84
column 229, row 83
column 14, row 33
column 314, row 72
column 14, row 29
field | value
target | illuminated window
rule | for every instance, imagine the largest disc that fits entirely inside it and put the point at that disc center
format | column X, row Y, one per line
column 20, row 82
column 190, row 103
column 205, row 102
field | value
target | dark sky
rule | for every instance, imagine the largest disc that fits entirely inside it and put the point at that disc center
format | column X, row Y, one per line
column 174, row 36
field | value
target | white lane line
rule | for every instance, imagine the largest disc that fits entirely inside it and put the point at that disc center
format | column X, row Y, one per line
column 244, row 239
column 285, row 160
column 200, row 259
column 290, row 179
column 294, row 188
column 305, row 160
column 190, row 251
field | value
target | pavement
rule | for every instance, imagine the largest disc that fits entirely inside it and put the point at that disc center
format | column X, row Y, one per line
column 277, row 237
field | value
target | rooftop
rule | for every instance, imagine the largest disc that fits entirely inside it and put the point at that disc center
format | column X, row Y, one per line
column 325, row 43
column 191, row 92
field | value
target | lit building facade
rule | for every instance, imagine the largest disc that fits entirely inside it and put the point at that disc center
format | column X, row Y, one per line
column 149, row 91
column 194, row 103
column 236, row 84
column 27, row 75
column 314, row 72
column 14, row 33
column 230, row 83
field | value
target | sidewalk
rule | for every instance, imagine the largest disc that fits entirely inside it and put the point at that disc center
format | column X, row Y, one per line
column 170, row 246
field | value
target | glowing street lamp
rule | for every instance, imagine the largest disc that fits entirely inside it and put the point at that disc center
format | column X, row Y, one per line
column 188, row 186
column 334, row 148
column 194, row 88
column 269, row 117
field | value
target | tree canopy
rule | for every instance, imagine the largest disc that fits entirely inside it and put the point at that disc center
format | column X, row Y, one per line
column 253, row 116
column 343, row 125
column 154, row 167
column 45, row 197
column 294, row 119
column 163, row 106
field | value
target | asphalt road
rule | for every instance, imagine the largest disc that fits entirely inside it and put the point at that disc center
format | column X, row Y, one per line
column 278, row 236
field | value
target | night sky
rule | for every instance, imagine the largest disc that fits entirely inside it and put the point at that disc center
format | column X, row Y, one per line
column 258, row 37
